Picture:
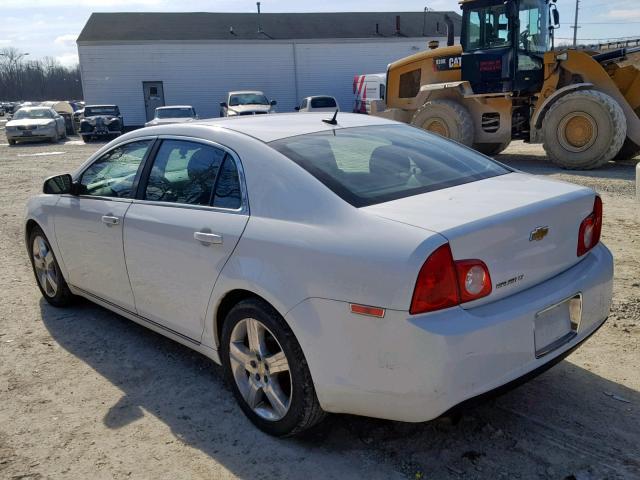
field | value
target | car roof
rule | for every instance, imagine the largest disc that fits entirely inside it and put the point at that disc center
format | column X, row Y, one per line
column 236, row 92
column 169, row 107
column 268, row 128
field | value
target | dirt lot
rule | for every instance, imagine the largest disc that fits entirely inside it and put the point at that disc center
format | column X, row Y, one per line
column 85, row 393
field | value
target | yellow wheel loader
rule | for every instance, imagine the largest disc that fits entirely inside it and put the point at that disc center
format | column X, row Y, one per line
column 505, row 81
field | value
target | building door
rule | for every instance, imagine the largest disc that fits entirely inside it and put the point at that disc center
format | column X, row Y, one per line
column 153, row 97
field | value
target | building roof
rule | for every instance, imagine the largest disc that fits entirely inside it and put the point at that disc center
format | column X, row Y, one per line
column 125, row 27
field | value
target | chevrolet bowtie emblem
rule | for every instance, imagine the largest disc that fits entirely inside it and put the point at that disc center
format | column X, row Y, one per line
column 538, row 234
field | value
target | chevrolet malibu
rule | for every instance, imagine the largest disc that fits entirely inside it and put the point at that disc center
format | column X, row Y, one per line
column 349, row 264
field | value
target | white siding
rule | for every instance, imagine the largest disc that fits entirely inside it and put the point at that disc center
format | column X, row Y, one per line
column 200, row 74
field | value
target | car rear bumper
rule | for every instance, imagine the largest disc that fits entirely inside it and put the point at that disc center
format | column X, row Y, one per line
column 415, row 368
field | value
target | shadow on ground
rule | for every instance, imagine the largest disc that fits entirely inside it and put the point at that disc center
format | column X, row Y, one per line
column 562, row 423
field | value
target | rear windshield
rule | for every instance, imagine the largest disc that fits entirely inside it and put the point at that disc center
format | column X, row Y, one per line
column 174, row 113
column 375, row 164
column 323, row 102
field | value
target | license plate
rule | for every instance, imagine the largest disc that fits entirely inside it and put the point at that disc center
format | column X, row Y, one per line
column 557, row 324
column 27, row 133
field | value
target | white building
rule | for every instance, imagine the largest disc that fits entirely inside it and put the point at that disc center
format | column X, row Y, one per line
column 133, row 59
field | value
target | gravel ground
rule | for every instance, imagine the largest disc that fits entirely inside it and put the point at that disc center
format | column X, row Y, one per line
column 85, row 393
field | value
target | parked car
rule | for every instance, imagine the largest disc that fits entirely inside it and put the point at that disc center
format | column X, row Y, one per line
column 173, row 114
column 363, row 267
column 367, row 89
column 35, row 123
column 65, row 110
column 318, row 103
column 100, row 121
column 246, row 103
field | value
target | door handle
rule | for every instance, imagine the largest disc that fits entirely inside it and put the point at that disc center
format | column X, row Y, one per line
column 110, row 220
column 210, row 238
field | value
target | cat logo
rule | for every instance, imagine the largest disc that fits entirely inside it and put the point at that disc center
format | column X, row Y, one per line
column 538, row 234
column 447, row 63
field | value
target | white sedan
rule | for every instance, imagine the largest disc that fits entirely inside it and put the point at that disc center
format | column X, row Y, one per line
column 173, row 114
column 362, row 266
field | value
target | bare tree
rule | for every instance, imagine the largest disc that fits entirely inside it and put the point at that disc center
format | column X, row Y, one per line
column 37, row 80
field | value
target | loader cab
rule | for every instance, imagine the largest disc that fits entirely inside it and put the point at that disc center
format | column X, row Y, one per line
column 503, row 44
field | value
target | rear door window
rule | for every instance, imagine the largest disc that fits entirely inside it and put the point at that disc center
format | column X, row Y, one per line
column 184, row 172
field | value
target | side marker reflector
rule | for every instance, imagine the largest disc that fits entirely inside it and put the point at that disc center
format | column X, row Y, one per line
column 367, row 310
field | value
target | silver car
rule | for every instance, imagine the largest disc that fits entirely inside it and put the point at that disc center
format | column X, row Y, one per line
column 35, row 123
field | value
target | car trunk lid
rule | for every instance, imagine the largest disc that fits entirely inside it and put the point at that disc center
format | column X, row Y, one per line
column 524, row 228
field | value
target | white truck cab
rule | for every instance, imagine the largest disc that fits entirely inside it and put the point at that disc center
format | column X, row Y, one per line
column 366, row 89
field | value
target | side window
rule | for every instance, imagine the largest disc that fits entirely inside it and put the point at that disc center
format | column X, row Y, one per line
column 410, row 84
column 228, row 193
column 184, row 172
column 113, row 173
column 382, row 91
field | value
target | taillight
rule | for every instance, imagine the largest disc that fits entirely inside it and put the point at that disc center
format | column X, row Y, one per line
column 443, row 282
column 590, row 229
column 437, row 285
column 474, row 280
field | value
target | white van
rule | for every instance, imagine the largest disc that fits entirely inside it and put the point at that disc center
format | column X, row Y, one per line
column 368, row 88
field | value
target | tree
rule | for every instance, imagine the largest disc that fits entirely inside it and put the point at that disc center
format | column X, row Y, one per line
column 36, row 80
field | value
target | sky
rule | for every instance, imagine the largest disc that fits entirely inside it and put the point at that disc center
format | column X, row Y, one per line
column 50, row 27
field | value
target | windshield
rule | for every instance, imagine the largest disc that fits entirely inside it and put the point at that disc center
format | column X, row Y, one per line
column 323, row 102
column 247, row 99
column 174, row 113
column 33, row 113
column 487, row 27
column 375, row 164
column 91, row 111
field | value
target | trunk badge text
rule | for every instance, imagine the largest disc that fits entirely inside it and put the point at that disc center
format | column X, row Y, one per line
column 538, row 234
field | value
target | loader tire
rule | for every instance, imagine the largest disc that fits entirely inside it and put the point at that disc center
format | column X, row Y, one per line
column 447, row 118
column 584, row 130
column 491, row 149
column 628, row 151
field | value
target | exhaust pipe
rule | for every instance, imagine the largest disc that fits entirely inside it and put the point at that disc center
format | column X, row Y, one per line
column 450, row 32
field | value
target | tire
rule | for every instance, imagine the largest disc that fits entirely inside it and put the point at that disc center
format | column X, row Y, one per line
column 447, row 118
column 85, row 138
column 584, row 130
column 628, row 151
column 11, row 142
column 301, row 409
column 49, row 278
column 491, row 149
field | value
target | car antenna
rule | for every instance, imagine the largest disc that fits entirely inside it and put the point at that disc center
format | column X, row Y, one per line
column 332, row 121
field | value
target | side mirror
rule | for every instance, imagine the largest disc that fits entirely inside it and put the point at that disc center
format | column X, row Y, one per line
column 273, row 102
column 555, row 16
column 223, row 104
column 58, row 185
column 297, row 109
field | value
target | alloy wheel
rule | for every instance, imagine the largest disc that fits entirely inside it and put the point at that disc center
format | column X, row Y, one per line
column 45, row 266
column 260, row 369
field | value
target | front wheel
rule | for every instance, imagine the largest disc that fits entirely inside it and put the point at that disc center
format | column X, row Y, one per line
column 446, row 118
column 51, row 283
column 265, row 366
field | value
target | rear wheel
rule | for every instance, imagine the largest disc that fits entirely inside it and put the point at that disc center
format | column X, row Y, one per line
column 584, row 130
column 265, row 366
column 491, row 149
column 51, row 283
column 447, row 118
column 12, row 142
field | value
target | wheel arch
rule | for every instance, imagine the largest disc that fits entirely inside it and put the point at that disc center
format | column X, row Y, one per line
column 540, row 113
column 229, row 300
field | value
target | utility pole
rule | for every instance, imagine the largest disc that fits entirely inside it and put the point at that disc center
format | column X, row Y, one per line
column 575, row 26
